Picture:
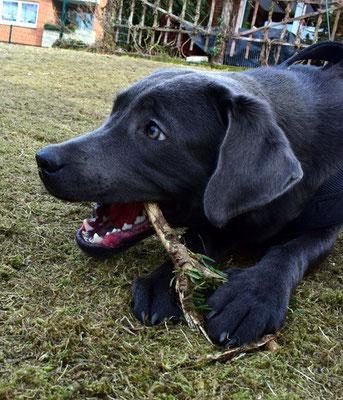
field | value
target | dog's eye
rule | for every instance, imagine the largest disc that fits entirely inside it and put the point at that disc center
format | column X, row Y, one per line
column 154, row 132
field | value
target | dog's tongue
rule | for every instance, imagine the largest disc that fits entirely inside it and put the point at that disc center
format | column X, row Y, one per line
column 124, row 213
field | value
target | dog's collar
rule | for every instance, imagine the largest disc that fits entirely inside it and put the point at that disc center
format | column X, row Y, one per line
column 333, row 186
column 325, row 208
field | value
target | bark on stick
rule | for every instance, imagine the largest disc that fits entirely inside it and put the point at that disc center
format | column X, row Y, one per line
column 183, row 260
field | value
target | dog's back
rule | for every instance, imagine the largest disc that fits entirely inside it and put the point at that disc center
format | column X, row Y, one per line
column 309, row 105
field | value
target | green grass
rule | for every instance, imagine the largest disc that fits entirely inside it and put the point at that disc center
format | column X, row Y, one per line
column 66, row 328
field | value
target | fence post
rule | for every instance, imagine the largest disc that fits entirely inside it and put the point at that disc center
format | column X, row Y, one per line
column 10, row 35
column 226, row 27
column 64, row 5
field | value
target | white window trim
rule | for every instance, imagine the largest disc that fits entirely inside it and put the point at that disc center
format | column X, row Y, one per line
column 18, row 23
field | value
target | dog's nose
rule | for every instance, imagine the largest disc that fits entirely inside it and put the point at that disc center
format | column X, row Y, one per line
column 47, row 160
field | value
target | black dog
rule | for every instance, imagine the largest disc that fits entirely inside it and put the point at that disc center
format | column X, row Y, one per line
column 252, row 157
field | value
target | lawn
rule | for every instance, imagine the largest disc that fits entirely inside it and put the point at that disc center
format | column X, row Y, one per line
column 66, row 328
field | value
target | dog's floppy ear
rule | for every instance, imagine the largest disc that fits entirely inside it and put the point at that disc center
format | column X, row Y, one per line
column 255, row 164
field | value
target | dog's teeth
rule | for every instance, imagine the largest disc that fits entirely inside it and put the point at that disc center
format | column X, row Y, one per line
column 87, row 226
column 97, row 238
column 126, row 227
column 86, row 237
column 139, row 219
column 114, row 230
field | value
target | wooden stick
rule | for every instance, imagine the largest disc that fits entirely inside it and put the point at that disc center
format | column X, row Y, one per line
column 264, row 56
column 130, row 20
column 319, row 22
column 209, row 24
column 284, row 31
column 335, row 25
column 196, row 20
column 141, row 25
column 300, row 28
column 236, row 27
column 257, row 4
column 267, row 342
column 170, row 10
column 120, row 12
column 155, row 23
column 182, row 17
column 183, row 261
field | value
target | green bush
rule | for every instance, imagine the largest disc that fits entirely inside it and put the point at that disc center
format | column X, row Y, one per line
column 70, row 44
column 51, row 27
column 58, row 27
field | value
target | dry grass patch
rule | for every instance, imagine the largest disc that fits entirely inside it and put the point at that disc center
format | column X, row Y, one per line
column 66, row 329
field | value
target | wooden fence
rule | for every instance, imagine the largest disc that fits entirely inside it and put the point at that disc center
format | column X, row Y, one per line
column 170, row 24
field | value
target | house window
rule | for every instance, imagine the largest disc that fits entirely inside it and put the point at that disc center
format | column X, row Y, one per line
column 85, row 22
column 81, row 20
column 19, row 13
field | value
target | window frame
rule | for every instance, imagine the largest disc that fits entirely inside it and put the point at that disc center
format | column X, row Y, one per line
column 17, row 22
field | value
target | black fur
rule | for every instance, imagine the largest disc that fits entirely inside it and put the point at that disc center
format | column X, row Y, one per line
column 245, row 153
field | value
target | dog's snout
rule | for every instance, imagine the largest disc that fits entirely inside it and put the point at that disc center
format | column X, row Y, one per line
column 48, row 161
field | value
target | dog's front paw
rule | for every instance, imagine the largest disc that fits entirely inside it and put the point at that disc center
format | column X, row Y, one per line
column 252, row 303
column 153, row 298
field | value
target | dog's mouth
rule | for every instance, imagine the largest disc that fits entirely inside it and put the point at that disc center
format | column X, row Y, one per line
column 113, row 228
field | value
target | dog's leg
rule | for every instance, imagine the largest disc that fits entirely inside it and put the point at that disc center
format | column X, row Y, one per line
column 153, row 297
column 254, row 301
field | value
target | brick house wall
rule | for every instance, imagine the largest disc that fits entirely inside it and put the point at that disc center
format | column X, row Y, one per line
column 97, row 27
column 46, row 14
column 30, row 36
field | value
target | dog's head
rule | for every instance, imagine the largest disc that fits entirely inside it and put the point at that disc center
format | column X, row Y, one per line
column 178, row 137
